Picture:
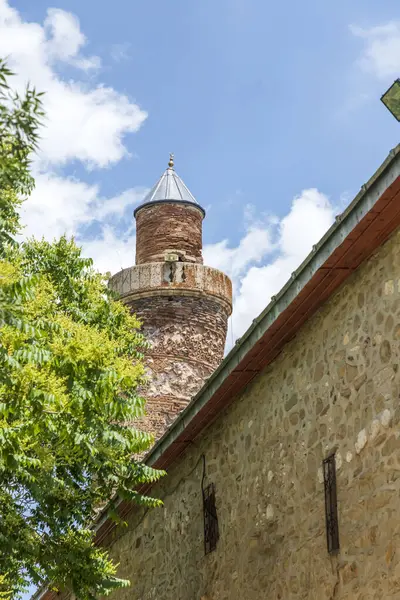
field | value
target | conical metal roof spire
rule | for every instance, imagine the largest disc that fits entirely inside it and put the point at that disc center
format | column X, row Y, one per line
column 170, row 188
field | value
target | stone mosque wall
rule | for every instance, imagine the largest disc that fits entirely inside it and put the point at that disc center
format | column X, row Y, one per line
column 335, row 387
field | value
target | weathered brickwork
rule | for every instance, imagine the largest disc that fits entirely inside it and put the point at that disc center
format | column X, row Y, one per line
column 187, row 336
column 336, row 386
column 184, row 327
column 168, row 227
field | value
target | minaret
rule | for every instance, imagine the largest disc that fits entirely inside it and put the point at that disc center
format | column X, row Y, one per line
column 184, row 306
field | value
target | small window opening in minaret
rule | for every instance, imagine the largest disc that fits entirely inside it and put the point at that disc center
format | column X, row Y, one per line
column 331, row 508
column 183, row 274
column 169, row 272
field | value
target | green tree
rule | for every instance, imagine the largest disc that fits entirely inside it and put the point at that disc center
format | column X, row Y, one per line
column 70, row 368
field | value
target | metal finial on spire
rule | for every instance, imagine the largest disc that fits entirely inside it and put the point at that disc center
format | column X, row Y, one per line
column 169, row 188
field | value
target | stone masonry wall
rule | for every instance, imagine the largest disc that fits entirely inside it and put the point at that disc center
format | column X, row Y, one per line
column 168, row 227
column 336, row 387
column 187, row 336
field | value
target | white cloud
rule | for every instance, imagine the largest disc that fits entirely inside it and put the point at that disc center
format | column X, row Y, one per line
column 65, row 39
column 58, row 205
column 117, row 206
column 381, row 53
column 309, row 218
column 61, row 205
column 111, row 252
column 85, row 121
column 266, row 256
column 91, row 124
column 251, row 248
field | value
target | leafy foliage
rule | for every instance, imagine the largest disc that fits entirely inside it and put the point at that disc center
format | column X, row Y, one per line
column 70, row 367
column 20, row 118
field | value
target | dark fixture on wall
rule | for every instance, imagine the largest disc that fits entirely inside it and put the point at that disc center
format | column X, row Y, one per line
column 331, row 510
column 211, row 531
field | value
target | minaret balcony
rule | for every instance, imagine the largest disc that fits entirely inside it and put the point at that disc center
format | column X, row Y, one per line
column 172, row 278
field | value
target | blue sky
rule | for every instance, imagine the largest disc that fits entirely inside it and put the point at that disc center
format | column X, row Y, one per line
column 262, row 103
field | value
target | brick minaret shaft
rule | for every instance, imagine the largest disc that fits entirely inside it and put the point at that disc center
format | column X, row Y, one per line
column 184, row 306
